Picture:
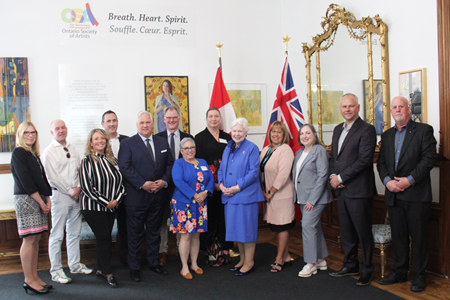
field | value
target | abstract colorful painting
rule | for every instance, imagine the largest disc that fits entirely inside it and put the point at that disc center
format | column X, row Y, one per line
column 155, row 103
column 331, row 114
column 14, row 99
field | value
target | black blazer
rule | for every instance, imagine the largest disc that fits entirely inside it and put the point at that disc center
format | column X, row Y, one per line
column 183, row 135
column 29, row 174
column 417, row 158
column 122, row 137
column 354, row 163
column 137, row 167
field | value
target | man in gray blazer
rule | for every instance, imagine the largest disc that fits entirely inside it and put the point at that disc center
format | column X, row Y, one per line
column 352, row 176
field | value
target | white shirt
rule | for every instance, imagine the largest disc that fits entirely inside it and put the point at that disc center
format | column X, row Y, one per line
column 177, row 142
column 299, row 165
column 115, row 145
column 144, row 139
column 62, row 172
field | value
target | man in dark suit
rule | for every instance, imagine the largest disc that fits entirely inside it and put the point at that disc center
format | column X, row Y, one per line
column 146, row 163
column 110, row 123
column 173, row 136
column 407, row 155
column 352, row 177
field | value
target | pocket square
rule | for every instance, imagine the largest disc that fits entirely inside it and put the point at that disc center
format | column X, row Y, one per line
column 165, row 150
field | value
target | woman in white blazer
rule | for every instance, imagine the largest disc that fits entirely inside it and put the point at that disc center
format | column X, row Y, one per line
column 312, row 193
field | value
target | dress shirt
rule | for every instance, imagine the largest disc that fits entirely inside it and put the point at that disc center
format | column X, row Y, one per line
column 115, row 145
column 144, row 139
column 399, row 139
column 342, row 137
column 62, row 172
column 177, row 142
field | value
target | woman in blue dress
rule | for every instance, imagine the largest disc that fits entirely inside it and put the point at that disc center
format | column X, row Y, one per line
column 194, row 183
column 378, row 107
column 163, row 101
column 239, row 183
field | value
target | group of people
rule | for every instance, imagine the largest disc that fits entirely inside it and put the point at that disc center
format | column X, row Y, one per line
column 210, row 188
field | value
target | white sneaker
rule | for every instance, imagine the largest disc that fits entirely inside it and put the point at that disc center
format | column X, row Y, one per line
column 322, row 266
column 81, row 269
column 307, row 271
column 60, row 277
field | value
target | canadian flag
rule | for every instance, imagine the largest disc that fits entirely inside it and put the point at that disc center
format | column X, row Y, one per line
column 221, row 100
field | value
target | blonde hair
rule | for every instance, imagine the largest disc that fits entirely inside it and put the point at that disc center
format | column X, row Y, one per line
column 285, row 133
column 21, row 143
column 108, row 151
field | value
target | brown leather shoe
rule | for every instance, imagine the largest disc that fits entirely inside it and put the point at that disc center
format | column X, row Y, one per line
column 162, row 258
column 188, row 275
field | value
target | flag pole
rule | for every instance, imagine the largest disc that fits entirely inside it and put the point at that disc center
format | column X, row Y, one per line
column 286, row 41
column 219, row 48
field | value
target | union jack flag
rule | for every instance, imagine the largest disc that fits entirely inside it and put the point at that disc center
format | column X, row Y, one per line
column 287, row 109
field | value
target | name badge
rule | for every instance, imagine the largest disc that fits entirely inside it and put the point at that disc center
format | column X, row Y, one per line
column 224, row 141
column 165, row 150
column 204, row 168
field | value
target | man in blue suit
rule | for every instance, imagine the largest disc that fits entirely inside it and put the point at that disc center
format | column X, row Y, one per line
column 146, row 163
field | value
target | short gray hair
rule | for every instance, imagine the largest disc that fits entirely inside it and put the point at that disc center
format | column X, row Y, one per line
column 352, row 95
column 172, row 107
column 185, row 140
column 241, row 121
column 144, row 112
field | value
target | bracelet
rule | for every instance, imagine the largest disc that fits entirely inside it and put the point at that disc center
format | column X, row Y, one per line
column 237, row 186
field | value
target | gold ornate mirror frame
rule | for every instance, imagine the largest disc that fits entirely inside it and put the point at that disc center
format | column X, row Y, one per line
column 335, row 16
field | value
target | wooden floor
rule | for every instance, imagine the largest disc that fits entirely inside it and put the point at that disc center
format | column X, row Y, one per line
column 437, row 287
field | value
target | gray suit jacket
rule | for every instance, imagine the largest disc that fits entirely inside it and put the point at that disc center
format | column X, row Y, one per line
column 312, row 181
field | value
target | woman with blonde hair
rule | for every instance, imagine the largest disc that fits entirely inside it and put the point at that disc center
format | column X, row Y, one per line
column 101, row 192
column 276, row 161
column 31, row 201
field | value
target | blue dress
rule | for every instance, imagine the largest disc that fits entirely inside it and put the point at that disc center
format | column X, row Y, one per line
column 241, row 210
column 187, row 216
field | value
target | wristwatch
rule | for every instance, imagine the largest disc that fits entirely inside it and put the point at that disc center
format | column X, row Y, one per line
column 270, row 192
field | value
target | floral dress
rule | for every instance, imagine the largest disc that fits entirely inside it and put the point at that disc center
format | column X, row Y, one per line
column 190, row 217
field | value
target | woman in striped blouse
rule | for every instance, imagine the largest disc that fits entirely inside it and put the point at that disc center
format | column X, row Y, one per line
column 101, row 193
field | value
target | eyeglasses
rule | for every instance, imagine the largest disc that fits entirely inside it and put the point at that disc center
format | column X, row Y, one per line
column 277, row 131
column 29, row 133
column 68, row 153
column 188, row 148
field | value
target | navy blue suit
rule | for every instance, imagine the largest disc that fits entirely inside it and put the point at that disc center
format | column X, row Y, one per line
column 143, row 208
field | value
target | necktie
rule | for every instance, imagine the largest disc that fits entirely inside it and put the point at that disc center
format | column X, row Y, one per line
column 149, row 147
column 172, row 145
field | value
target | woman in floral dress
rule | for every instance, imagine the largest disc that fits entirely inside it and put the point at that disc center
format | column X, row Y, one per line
column 194, row 183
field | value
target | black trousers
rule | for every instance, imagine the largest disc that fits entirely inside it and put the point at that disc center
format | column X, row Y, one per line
column 101, row 224
column 122, row 239
column 410, row 219
column 140, row 221
column 355, row 221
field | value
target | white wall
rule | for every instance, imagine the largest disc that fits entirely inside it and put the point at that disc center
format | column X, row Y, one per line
column 253, row 52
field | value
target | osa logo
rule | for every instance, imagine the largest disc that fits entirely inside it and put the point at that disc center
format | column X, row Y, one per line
column 78, row 15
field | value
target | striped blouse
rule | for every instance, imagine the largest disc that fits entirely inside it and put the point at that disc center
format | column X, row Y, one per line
column 101, row 183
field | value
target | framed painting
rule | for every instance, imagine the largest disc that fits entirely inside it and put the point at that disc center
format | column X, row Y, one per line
column 331, row 114
column 377, row 104
column 413, row 86
column 14, row 99
column 165, row 91
column 248, row 101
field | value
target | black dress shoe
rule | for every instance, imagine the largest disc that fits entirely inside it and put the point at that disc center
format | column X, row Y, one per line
column 48, row 286
column 234, row 269
column 239, row 273
column 418, row 284
column 27, row 288
column 393, row 278
column 112, row 282
column 364, row 279
column 345, row 272
column 159, row 270
column 135, row 276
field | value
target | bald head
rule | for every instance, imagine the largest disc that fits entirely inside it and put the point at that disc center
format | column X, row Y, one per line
column 58, row 130
column 400, row 111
